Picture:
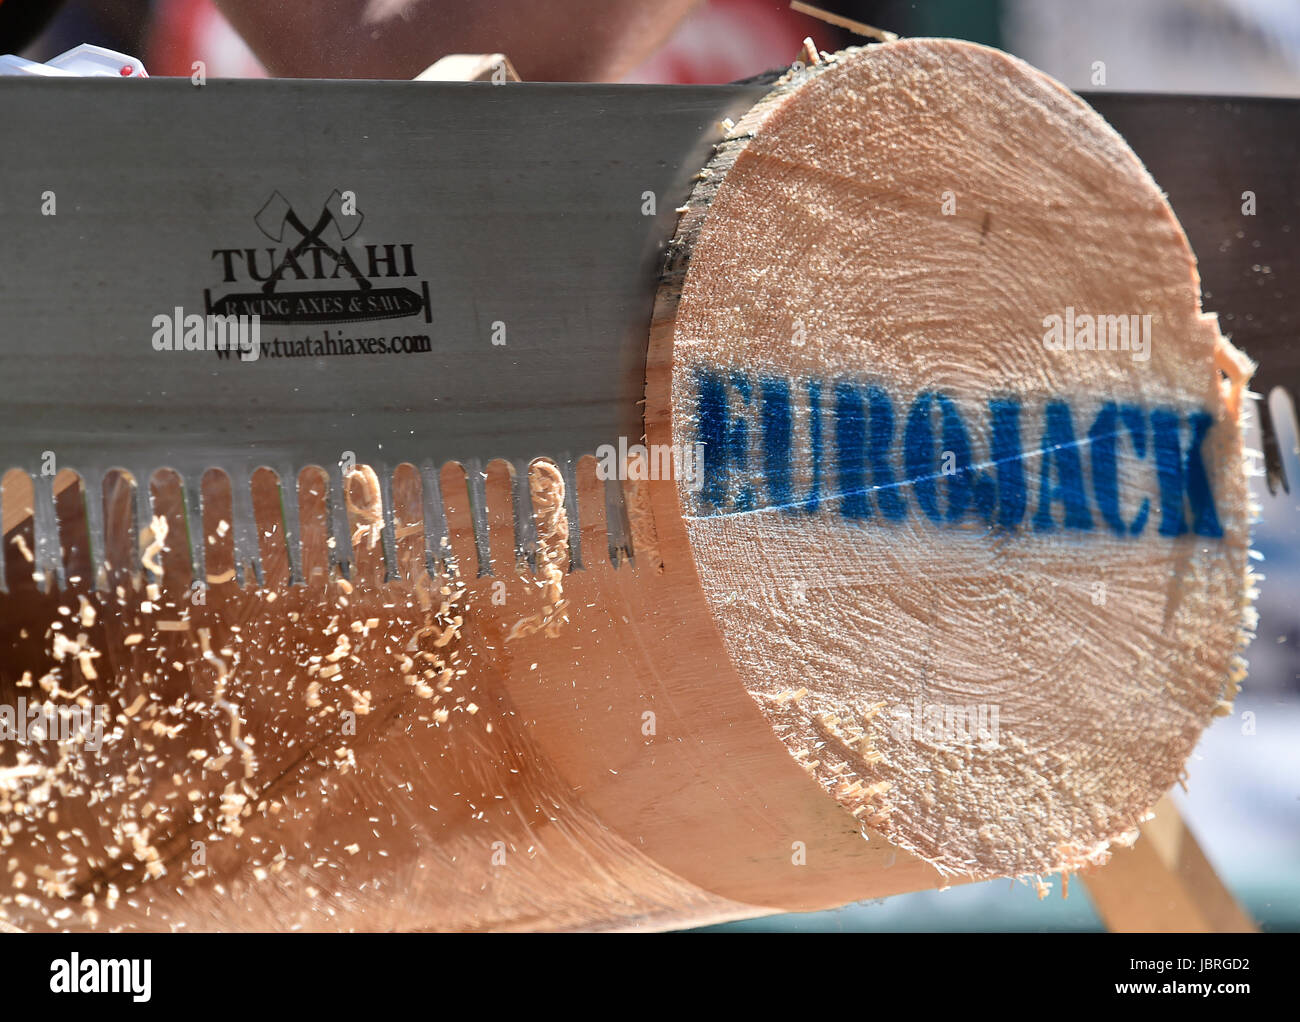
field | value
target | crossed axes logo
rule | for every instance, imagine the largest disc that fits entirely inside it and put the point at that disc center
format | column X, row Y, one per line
column 277, row 215
column 350, row 291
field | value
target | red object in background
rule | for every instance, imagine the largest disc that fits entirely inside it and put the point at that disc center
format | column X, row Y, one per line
column 183, row 31
column 720, row 41
column 724, row 40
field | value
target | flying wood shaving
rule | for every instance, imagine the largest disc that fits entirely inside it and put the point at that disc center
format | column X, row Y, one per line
column 21, row 543
column 365, row 503
column 547, row 486
column 219, row 701
column 10, row 777
column 839, row 21
column 158, row 530
column 1237, row 368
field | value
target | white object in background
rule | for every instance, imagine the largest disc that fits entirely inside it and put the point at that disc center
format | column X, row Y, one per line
column 84, row 61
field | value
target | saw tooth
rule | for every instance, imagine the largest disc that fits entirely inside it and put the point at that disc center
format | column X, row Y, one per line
column 248, row 551
column 476, row 480
column 1274, row 470
column 475, row 517
column 389, row 535
column 616, row 521
column 525, row 521
column 336, row 501
column 93, row 504
column 569, row 473
column 1279, row 415
column 49, row 558
column 192, row 496
column 287, row 478
column 435, row 519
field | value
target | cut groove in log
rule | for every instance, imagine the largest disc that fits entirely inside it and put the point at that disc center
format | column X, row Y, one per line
column 985, row 576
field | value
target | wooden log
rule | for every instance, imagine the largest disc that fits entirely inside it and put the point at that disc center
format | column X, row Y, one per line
column 379, row 752
column 715, row 729
column 985, row 573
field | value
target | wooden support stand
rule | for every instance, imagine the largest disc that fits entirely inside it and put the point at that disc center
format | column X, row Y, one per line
column 1164, row 884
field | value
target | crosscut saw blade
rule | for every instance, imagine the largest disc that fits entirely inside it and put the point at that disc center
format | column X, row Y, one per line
column 443, row 272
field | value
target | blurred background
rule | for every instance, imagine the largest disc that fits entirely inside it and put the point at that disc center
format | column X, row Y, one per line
column 1214, row 46
column 1243, row 797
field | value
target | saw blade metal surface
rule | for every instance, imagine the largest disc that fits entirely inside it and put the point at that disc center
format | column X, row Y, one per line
column 443, row 272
